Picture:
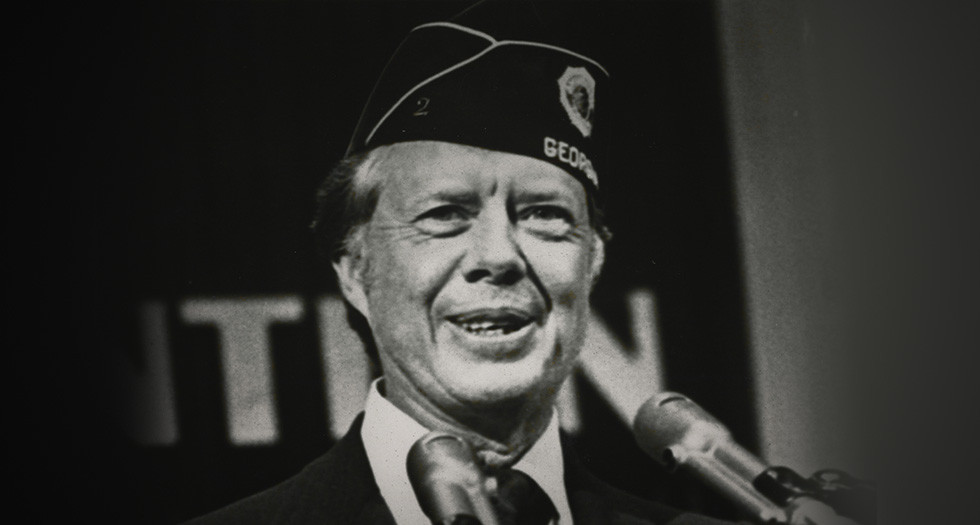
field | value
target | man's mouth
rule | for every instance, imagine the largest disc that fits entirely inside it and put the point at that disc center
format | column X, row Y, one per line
column 492, row 322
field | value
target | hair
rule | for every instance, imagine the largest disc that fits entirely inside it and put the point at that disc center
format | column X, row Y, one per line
column 345, row 200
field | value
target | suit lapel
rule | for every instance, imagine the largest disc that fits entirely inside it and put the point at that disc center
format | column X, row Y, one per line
column 339, row 487
column 594, row 502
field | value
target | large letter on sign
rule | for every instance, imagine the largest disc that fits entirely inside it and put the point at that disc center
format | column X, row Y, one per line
column 244, row 328
column 625, row 378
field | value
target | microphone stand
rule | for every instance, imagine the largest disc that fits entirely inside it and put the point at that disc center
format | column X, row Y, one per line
column 675, row 431
column 829, row 496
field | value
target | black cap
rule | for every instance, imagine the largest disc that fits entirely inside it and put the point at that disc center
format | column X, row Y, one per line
column 482, row 79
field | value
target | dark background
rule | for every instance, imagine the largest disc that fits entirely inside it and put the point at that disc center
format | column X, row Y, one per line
column 182, row 147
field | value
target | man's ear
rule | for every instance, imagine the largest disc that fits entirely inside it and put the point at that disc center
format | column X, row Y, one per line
column 598, row 257
column 350, row 276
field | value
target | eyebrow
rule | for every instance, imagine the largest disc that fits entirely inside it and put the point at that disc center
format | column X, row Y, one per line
column 543, row 195
column 458, row 196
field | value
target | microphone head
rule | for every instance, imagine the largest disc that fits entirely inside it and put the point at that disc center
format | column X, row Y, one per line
column 443, row 472
column 669, row 427
column 442, row 455
column 675, row 431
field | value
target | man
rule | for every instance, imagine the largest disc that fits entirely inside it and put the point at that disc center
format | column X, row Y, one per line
column 466, row 235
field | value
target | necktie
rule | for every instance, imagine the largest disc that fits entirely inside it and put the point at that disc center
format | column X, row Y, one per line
column 520, row 501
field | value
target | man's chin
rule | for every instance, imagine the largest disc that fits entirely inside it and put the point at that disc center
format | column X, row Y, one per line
column 493, row 384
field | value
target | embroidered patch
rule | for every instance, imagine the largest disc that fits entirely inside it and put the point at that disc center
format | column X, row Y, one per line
column 576, row 90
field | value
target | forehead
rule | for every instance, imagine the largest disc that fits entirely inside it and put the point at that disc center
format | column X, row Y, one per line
column 413, row 170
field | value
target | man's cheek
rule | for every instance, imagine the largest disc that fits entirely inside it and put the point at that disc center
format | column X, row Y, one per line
column 573, row 294
column 565, row 275
column 559, row 258
column 428, row 266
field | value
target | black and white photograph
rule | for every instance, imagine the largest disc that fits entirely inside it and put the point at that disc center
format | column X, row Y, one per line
column 492, row 262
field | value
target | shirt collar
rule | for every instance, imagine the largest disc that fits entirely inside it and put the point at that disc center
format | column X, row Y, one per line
column 388, row 434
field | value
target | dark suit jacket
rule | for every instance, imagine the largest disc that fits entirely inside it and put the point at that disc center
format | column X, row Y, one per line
column 339, row 488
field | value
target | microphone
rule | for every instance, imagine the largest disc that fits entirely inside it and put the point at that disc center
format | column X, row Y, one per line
column 447, row 482
column 676, row 432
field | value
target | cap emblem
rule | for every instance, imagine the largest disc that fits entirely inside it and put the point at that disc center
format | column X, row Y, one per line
column 576, row 89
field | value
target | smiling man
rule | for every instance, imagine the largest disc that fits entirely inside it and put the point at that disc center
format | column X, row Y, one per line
column 465, row 230
column 474, row 274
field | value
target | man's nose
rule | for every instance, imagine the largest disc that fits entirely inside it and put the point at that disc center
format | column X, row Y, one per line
column 493, row 253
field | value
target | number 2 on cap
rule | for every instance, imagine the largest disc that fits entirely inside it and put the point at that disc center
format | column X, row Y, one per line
column 422, row 103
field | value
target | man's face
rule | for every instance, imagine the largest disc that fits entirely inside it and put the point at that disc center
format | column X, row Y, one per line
column 476, row 272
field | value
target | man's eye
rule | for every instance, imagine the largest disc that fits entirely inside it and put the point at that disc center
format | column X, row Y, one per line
column 443, row 213
column 442, row 220
column 549, row 220
column 547, row 213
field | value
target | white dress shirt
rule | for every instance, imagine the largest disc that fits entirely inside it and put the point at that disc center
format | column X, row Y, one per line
column 388, row 434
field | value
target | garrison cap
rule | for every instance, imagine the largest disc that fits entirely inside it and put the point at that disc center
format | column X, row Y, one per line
column 491, row 77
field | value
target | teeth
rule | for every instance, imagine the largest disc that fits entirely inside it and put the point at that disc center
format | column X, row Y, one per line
column 489, row 328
